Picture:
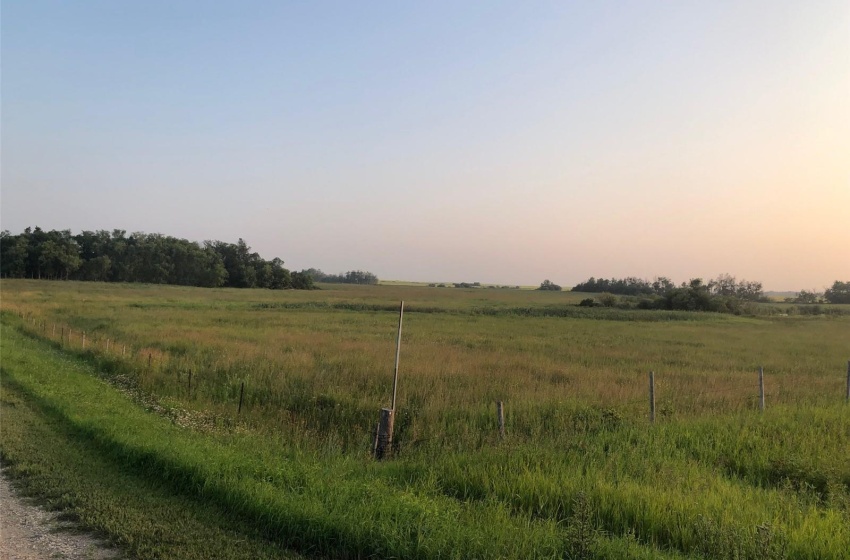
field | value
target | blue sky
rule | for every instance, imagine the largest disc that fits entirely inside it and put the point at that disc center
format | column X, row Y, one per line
column 488, row 142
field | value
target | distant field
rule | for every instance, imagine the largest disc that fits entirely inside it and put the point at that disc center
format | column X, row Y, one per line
column 581, row 472
column 451, row 285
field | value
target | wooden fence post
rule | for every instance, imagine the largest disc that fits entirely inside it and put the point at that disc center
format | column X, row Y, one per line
column 123, row 350
column 84, row 340
column 107, row 345
column 384, row 438
column 54, row 330
column 652, row 396
column 761, row 388
column 385, row 433
column 500, row 416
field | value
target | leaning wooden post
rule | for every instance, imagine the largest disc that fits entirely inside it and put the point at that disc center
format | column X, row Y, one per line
column 385, row 433
column 761, row 388
column 500, row 416
column 397, row 354
column 241, row 392
column 652, row 396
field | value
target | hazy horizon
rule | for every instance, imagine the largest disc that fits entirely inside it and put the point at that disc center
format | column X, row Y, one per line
column 443, row 142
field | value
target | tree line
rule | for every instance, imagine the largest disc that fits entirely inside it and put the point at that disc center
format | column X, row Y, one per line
column 350, row 277
column 838, row 293
column 723, row 294
column 141, row 257
column 724, row 285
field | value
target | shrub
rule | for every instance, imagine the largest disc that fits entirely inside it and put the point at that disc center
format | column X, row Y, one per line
column 607, row 300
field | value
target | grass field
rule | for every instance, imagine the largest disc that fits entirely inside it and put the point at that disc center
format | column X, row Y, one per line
column 581, row 473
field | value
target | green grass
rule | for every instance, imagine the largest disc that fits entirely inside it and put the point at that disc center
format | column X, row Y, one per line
column 329, row 504
column 580, row 474
column 142, row 516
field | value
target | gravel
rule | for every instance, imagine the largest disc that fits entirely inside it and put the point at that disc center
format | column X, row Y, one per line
column 28, row 532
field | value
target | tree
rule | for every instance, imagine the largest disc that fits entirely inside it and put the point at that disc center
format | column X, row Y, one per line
column 550, row 286
column 360, row 277
column 350, row 277
column 58, row 255
column 661, row 285
column 806, row 296
column 724, row 285
column 14, row 254
column 838, row 293
column 302, row 281
column 141, row 257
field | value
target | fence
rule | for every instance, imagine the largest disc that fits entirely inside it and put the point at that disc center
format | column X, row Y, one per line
column 147, row 360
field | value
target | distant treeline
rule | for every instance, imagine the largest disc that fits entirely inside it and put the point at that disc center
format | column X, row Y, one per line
column 838, row 293
column 724, row 285
column 723, row 294
column 350, row 277
column 141, row 257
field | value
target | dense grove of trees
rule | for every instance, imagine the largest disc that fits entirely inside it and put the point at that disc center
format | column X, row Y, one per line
column 724, row 286
column 625, row 286
column 723, row 294
column 695, row 295
column 350, row 277
column 141, row 257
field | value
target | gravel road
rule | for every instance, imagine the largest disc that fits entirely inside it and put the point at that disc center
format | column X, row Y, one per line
column 28, row 532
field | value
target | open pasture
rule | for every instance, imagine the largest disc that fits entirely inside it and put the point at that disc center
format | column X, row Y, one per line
column 581, row 467
column 462, row 350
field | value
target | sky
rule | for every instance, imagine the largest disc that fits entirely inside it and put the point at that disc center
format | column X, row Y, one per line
column 442, row 141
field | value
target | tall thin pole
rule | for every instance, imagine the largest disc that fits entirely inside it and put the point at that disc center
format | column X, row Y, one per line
column 397, row 353
column 761, row 388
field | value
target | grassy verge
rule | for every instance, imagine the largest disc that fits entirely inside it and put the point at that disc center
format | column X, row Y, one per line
column 337, row 506
column 139, row 515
